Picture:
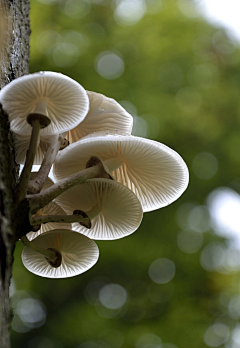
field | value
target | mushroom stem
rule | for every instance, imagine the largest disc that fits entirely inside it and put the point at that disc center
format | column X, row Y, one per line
column 25, row 175
column 36, row 185
column 41, row 107
column 94, row 212
column 57, row 218
column 38, row 201
column 51, row 255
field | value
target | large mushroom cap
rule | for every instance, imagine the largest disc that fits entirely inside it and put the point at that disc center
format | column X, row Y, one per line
column 54, row 95
column 120, row 211
column 153, row 171
column 79, row 253
column 104, row 114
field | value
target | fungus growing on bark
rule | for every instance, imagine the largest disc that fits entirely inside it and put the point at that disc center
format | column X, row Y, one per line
column 104, row 114
column 153, row 171
column 59, row 254
column 53, row 95
column 113, row 209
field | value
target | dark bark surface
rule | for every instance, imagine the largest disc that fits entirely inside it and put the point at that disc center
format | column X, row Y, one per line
column 14, row 63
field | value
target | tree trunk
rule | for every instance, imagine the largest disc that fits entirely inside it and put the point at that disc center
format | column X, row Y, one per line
column 14, row 58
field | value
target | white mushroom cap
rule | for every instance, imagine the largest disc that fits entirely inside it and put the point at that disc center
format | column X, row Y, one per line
column 21, row 144
column 153, row 171
column 54, row 95
column 120, row 212
column 79, row 253
column 50, row 209
column 104, row 114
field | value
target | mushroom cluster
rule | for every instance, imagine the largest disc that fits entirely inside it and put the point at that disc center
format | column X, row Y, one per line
column 105, row 177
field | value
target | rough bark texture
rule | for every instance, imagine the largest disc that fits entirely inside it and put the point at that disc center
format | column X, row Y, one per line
column 14, row 58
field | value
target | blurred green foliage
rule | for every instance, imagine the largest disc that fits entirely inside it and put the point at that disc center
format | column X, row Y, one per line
column 180, row 78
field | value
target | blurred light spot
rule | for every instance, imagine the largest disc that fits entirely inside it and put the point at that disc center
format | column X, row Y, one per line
column 94, row 29
column 154, row 6
column 223, row 43
column 201, row 76
column 77, row 9
column 109, row 65
column 32, row 312
column 188, row 8
column 205, row 165
column 129, row 12
column 218, row 257
column 189, row 241
column 153, row 126
column 193, row 217
column 113, row 296
column 65, row 54
column 148, row 340
column 46, row 40
column 216, row 335
column 188, row 100
column 140, row 127
column 162, row 270
column 12, row 288
column 92, row 290
column 18, row 325
column 160, row 293
column 77, row 39
column 130, row 107
column 234, row 307
column 236, row 336
column 113, row 337
column 224, row 206
column 170, row 76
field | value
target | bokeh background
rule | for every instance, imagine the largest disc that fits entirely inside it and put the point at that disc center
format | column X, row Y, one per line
column 174, row 283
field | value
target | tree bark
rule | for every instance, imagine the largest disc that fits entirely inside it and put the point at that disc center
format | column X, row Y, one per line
column 14, row 59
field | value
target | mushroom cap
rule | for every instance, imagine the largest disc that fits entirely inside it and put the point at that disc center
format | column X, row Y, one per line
column 154, row 172
column 21, row 144
column 66, row 101
column 79, row 253
column 121, row 212
column 50, row 209
column 104, row 114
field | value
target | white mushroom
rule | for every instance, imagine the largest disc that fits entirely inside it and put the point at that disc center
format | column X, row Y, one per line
column 153, row 171
column 114, row 209
column 104, row 114
column 61, row 99
column 76, row 254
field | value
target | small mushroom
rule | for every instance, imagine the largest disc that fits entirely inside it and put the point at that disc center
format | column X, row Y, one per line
column 44, row 94
column 104, row 114
column 153, row 171
column 114, row 210
column 75, row 254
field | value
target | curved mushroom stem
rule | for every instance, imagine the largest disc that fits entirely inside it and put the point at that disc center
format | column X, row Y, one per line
column 25, row 175
column 37, row 121
column 36, row 185
column 36, row 220
column 38, row 201
column 51, row 255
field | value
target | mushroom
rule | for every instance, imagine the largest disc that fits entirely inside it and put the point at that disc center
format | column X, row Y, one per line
column 61, row 99
column 114, row 209
column 59, row 254
column 153, row 171
column 104, row 114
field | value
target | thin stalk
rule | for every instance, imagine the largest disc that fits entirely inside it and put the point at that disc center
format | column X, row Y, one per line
column 36, row 185
column 51, row 255
column 38, row 201
column 57, row 218
column 94, row 212
column 21, row 190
